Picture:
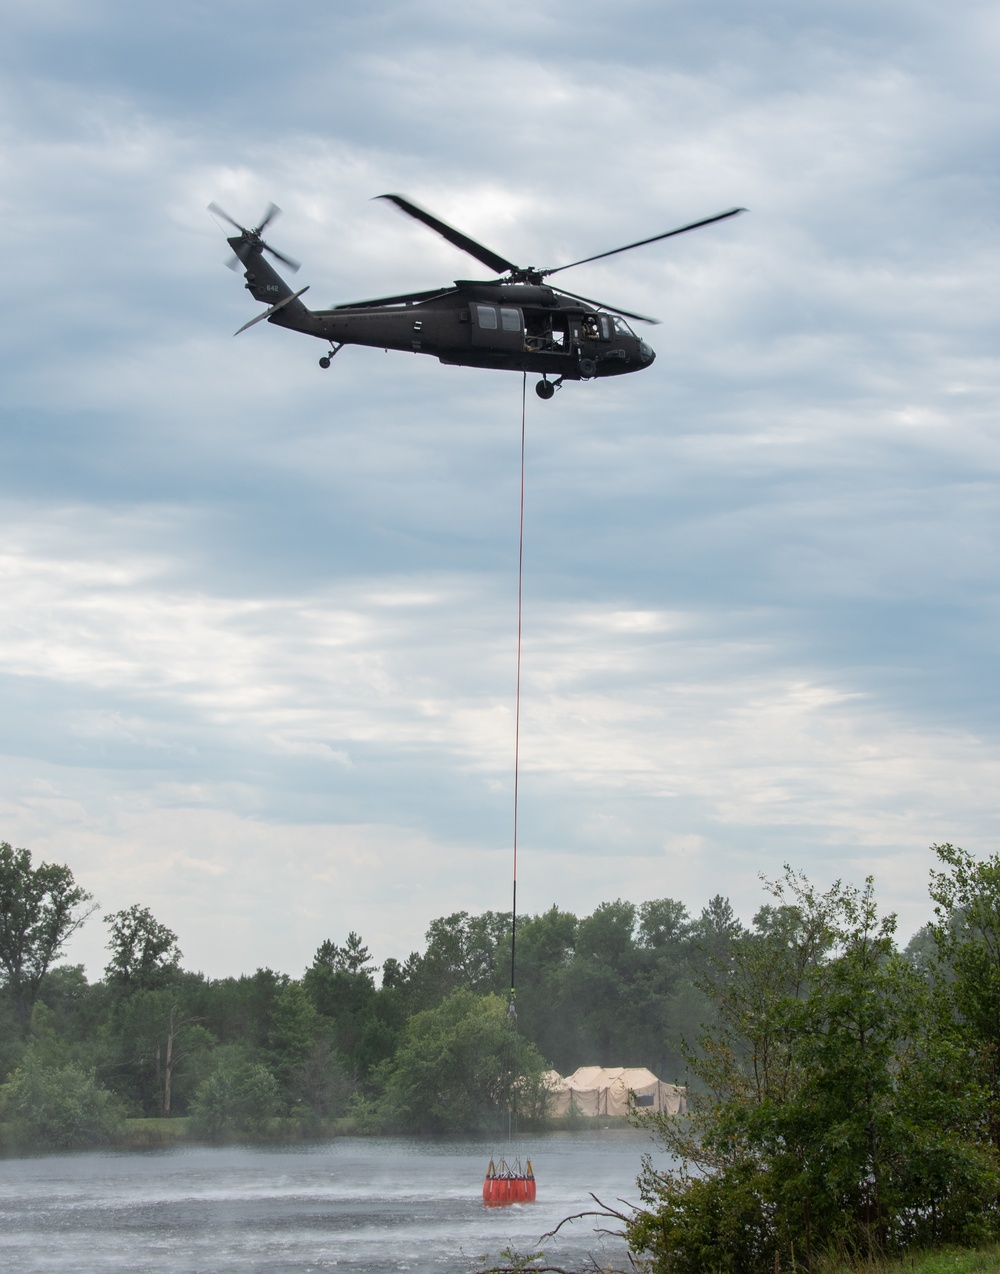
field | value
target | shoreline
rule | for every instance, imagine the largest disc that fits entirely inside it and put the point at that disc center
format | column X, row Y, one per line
column 150, row 1133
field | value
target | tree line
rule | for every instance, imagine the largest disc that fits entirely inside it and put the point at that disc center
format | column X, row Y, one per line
column 422, row 1044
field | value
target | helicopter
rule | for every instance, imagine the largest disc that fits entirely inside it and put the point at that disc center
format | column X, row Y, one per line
column 516, row 322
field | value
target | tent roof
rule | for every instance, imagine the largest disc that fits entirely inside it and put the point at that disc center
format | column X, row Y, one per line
column 587, row 1078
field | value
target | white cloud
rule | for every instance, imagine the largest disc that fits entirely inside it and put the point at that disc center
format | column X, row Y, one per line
column 661, row 710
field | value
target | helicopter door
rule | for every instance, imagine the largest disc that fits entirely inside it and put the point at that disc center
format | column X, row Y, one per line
column 497, row 326
column 546, row 332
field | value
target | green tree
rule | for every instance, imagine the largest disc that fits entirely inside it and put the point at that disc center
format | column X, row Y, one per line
column 459, row 1067
column 600, row 982
column 967, row 936
column 664, row 926
column 320, row 1087
column 545, row 949
column 144, row 953
column 155, row 1051
column 313, row 1078
column 923, row 953
column 835, row 1111
column 614, row 988
column 462, row 951
column 12, row 1044
column 77, row 1006
column 713, row 934
column 40, row 907
column 667, row 1007
column 295, row 1029
column 50, row 1044
column 341, row 985
column 237, row 1010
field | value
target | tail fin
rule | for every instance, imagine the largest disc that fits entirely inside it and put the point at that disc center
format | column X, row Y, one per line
column 265, row 284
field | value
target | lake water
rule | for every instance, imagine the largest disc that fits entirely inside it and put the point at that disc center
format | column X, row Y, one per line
column 355, row 1204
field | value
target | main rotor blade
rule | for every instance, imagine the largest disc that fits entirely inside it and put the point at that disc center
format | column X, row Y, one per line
column 455, row 237
column 221, row 212
column 694, row 225
column 613, row 309
column 397, row 300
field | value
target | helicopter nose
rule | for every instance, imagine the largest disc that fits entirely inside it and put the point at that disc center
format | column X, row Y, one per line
column 646, row 353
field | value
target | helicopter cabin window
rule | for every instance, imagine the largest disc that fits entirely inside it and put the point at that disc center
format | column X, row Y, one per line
column 486, row 316
column 510, row 320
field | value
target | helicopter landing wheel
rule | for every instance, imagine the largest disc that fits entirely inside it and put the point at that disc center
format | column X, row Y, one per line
column 545, row 389
column 324, row 362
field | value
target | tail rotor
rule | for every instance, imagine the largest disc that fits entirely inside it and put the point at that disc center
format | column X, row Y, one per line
column 252, row 237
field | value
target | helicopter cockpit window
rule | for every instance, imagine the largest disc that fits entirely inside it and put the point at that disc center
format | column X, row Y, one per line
column 621, row 327
column 510, row 320
column 487, row 316
column 605, row 327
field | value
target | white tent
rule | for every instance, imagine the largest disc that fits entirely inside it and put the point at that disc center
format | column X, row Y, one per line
column 606, row 1090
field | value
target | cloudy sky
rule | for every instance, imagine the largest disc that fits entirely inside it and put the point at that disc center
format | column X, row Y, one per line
column 258, row 621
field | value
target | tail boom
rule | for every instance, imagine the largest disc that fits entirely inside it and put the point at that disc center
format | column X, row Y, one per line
column 265, row 284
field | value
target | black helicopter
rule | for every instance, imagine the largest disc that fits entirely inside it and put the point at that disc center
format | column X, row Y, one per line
column 516, row 322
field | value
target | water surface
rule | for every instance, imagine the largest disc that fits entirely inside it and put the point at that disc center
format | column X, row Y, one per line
column 355, row 1204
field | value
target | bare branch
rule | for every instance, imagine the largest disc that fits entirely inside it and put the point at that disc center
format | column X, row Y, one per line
column 606, row 1212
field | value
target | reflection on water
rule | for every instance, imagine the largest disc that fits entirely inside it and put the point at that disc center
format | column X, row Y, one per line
column 360, row 1204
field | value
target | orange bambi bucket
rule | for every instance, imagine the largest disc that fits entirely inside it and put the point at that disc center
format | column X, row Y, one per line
column 503, row 1187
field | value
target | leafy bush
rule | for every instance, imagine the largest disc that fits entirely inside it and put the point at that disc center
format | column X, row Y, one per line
column 59, row 1106
column 239, row 1095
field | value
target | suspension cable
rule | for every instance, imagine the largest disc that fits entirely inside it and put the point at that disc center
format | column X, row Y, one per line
column 517, row 701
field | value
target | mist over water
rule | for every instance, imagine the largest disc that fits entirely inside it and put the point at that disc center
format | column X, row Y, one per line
column 356, row 1204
